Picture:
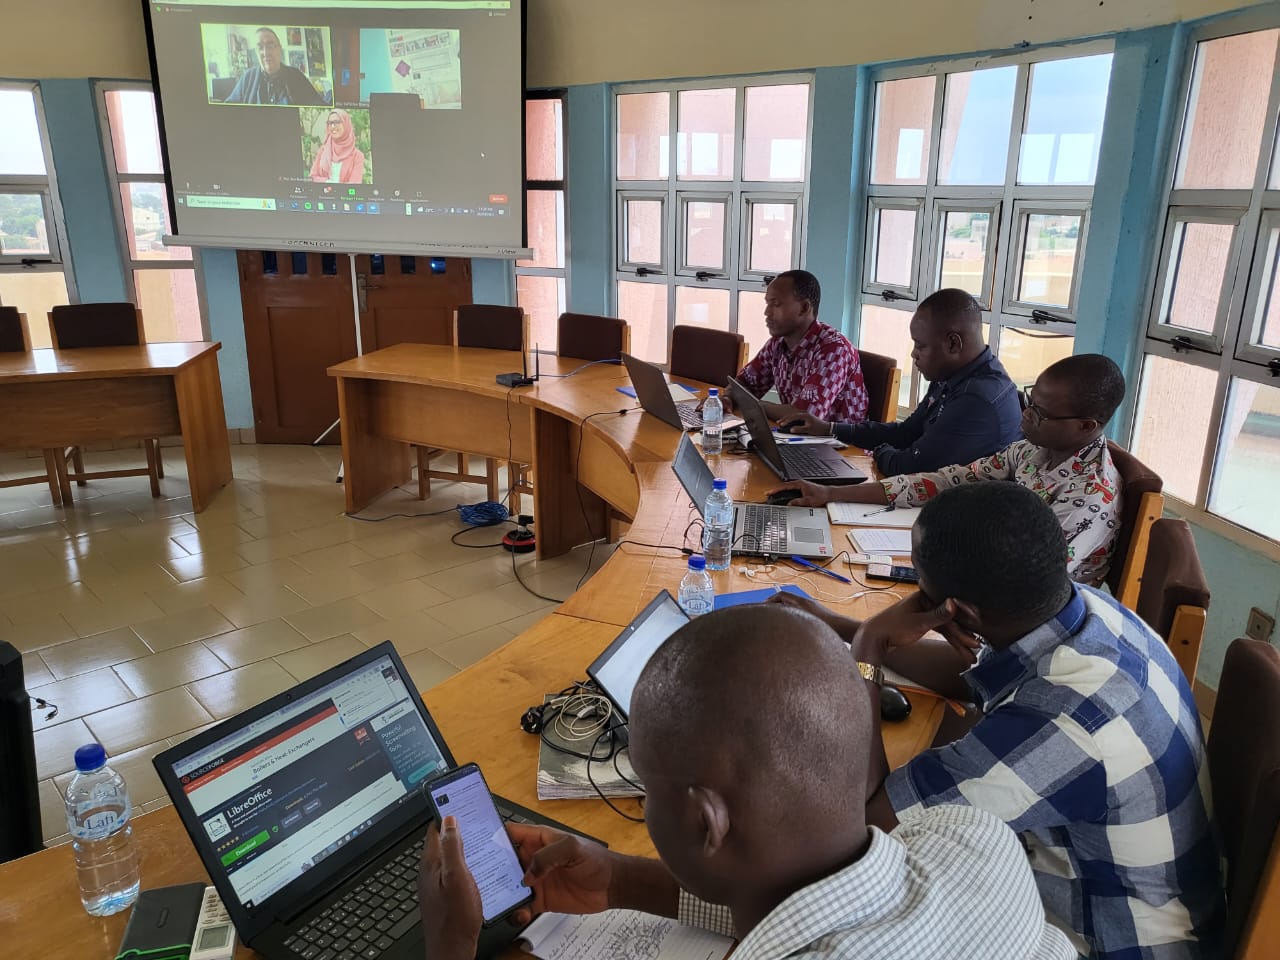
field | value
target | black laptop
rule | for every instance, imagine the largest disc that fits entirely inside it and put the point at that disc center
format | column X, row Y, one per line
column 618, row 668
column 819, row 463
column 654, row 394
column 308, row 814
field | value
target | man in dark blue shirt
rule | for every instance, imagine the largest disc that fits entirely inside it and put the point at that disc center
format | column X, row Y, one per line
column 273, row 81
column 970, row 411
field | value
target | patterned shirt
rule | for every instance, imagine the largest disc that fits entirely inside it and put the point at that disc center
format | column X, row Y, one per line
column 1090, row 747
column 1083, row 491
column 821, row 375
column 952, row 882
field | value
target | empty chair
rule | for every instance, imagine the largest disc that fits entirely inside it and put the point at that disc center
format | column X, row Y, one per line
column 1174, row 596
column 882, row 378
column 1141, row 505
column 707, row 354
column 586, row 337
column 15, row 337
column 1244, row 773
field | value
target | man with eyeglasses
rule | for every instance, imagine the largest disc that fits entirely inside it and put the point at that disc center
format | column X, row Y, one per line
column 1063, row 458
column 272, row 81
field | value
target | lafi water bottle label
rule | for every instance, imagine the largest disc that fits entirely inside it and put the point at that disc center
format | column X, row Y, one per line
column 93, row 820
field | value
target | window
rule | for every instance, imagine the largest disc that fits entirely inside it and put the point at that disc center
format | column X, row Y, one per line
column 31, row 269
column 1208, row 412
column 541, row 281
column 981, row 177
column 709, row 197
column 162, row 279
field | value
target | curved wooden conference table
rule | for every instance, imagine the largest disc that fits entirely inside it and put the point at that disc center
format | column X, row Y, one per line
column 569, row 429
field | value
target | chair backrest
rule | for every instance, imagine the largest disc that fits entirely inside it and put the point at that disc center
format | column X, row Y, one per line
column 881, row 377
column 1244, row 771
column 490, row 326
column 1141, row 503
column 14, row 337
column 707, row 354
column 1174, row 594
column 76, row 325
column 586, row 337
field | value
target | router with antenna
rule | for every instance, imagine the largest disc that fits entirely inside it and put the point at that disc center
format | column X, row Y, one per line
column 522, row 379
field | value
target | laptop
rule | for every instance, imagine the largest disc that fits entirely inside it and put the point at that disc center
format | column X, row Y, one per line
column 308, row 814
column 758, row 529
column 654, row 394
column 618, row 668
column 819, row 463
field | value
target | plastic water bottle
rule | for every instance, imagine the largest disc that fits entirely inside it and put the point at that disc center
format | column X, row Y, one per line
column 98, row 819
column 717, row 529
column 697, row 592
column 712, row 423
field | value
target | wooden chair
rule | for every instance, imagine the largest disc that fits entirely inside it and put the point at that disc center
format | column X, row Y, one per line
column 1174, row 596
column 15, row 337
column 707, row 354
column 86, row 325
column 882, row 378
column 1244, row 773
column 586, row 337
column 1142, row 503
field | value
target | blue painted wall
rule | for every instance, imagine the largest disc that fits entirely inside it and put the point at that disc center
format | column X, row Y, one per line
column 831, row 226
column 590, row 162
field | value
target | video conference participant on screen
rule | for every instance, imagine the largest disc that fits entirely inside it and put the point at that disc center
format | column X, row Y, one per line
column 273, row 81
column 339, row 159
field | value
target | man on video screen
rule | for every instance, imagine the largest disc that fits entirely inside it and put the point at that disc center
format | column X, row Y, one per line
column 273, row 81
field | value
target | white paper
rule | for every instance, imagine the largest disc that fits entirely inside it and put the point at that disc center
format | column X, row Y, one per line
column 619, row 934
column 879, row 540
column 681, row 393
column 800, row 439
column 872, row 515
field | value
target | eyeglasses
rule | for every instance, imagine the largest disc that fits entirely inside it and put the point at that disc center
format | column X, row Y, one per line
column 1037, row 413
column 335, row 122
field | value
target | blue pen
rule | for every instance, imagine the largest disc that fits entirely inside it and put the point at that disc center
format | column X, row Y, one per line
column 813, row 566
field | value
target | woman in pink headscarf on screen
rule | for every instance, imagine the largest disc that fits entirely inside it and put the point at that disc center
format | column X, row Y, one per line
column 339, row 160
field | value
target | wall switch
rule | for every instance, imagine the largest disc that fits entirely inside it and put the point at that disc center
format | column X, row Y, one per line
column 1261, row 625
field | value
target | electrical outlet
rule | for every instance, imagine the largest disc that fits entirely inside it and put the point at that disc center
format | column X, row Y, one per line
column 1261, row 625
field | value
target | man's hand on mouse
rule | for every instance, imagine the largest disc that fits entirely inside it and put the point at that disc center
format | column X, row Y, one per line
column 811, row 494
column 807, row 424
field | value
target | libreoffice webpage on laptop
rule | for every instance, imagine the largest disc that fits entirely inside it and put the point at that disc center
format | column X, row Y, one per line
column 278, row 797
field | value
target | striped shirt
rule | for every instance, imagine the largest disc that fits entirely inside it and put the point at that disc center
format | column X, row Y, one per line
column 949, row 882
column 1090, row 748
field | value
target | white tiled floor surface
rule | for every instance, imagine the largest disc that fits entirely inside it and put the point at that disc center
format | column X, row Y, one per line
column 144, row 622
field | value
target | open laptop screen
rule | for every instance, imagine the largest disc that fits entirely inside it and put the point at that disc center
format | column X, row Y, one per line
column 693, row 473
column 617, row 669
column 281, row 793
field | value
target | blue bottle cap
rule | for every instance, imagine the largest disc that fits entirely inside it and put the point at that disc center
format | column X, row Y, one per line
column 719, row 483
column 713, row 392
column 696, row 562
column 90, row 757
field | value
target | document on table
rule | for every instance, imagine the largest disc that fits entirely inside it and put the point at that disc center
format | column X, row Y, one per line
column 619, row 934
column 895, row 542
column 872, row 515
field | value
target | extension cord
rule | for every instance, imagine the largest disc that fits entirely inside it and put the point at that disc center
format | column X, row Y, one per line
column 520, row 541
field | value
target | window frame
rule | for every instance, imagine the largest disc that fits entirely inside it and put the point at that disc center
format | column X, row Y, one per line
column 560, row 273
column 46, row 187
column 994, row 209
column 875, row 207
column 683, row 268
column 1158, row 327
column 745, row 236
column 642, row 268
column 1023, row 210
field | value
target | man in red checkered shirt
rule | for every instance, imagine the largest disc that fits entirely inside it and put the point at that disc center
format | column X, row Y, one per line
column 814, row 366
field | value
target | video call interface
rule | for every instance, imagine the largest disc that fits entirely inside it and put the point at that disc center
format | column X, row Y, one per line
column 295, row 787
column 398, row 109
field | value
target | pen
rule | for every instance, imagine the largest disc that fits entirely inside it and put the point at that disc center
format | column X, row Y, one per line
column 872, row 513
column 813, row 566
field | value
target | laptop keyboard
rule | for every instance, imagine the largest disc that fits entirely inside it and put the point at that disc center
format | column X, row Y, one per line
column 367, row 920
column 690, row 415
column 803, row 463
column 764, row 528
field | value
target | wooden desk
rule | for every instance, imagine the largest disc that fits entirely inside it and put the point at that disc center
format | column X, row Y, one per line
column 62, row 398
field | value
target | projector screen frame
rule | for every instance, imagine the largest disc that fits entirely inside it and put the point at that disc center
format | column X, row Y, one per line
column 524, row 251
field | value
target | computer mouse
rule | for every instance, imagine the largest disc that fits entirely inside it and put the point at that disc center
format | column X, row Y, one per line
column 780, row 498
column 786, row 427
column 894, row 705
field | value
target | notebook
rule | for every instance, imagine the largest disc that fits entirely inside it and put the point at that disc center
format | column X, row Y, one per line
column 896, row 543
column 872, row 515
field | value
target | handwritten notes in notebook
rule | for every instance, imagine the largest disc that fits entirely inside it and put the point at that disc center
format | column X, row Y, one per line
column 621, row 935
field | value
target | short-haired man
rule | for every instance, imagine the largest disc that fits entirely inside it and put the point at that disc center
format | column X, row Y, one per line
column 273, row 81
column 970, row 411
column 755, row 781
column 813, row 366
column 1088, row 741
column 1064, row 459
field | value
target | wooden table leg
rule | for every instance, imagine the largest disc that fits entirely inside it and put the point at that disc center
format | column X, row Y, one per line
column 51, row 471
column 204, row 428
column 372, row 464
column 64, row 479
column 565, row 512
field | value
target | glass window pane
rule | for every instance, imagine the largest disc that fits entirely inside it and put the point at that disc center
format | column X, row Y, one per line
column 146, row 221
column 886, row 332
column 546, row 228
column 644, row 306
column 21, row 151
column 542, row 298
column 644, row 136
column 777, row 131
column 704, row 138
column 1025, row 353
column 977, row 115
column 703, row 307
column 544, row 139
column 644, row 232
column 1172, row 427
column 135, row 137
column 751, row 320
column 170, row 308
column 904, row 121
column 1228, row 108
column 895, row 246
column 1266, row 329
column 23, row 230
column 34, row 293
column 964, row 251
column 1063, row 129
column 1197, row 267
column 704, row 228
column 1249, row 459
column 1048, row 259
column 772, row 241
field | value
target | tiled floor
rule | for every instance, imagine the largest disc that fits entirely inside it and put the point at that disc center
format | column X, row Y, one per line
column 144, row 622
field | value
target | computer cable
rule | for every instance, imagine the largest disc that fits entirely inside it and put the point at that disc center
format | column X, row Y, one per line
column 612, row 806
column 577, row 370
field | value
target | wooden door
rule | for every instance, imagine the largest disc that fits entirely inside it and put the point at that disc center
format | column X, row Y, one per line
column 409, row 299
